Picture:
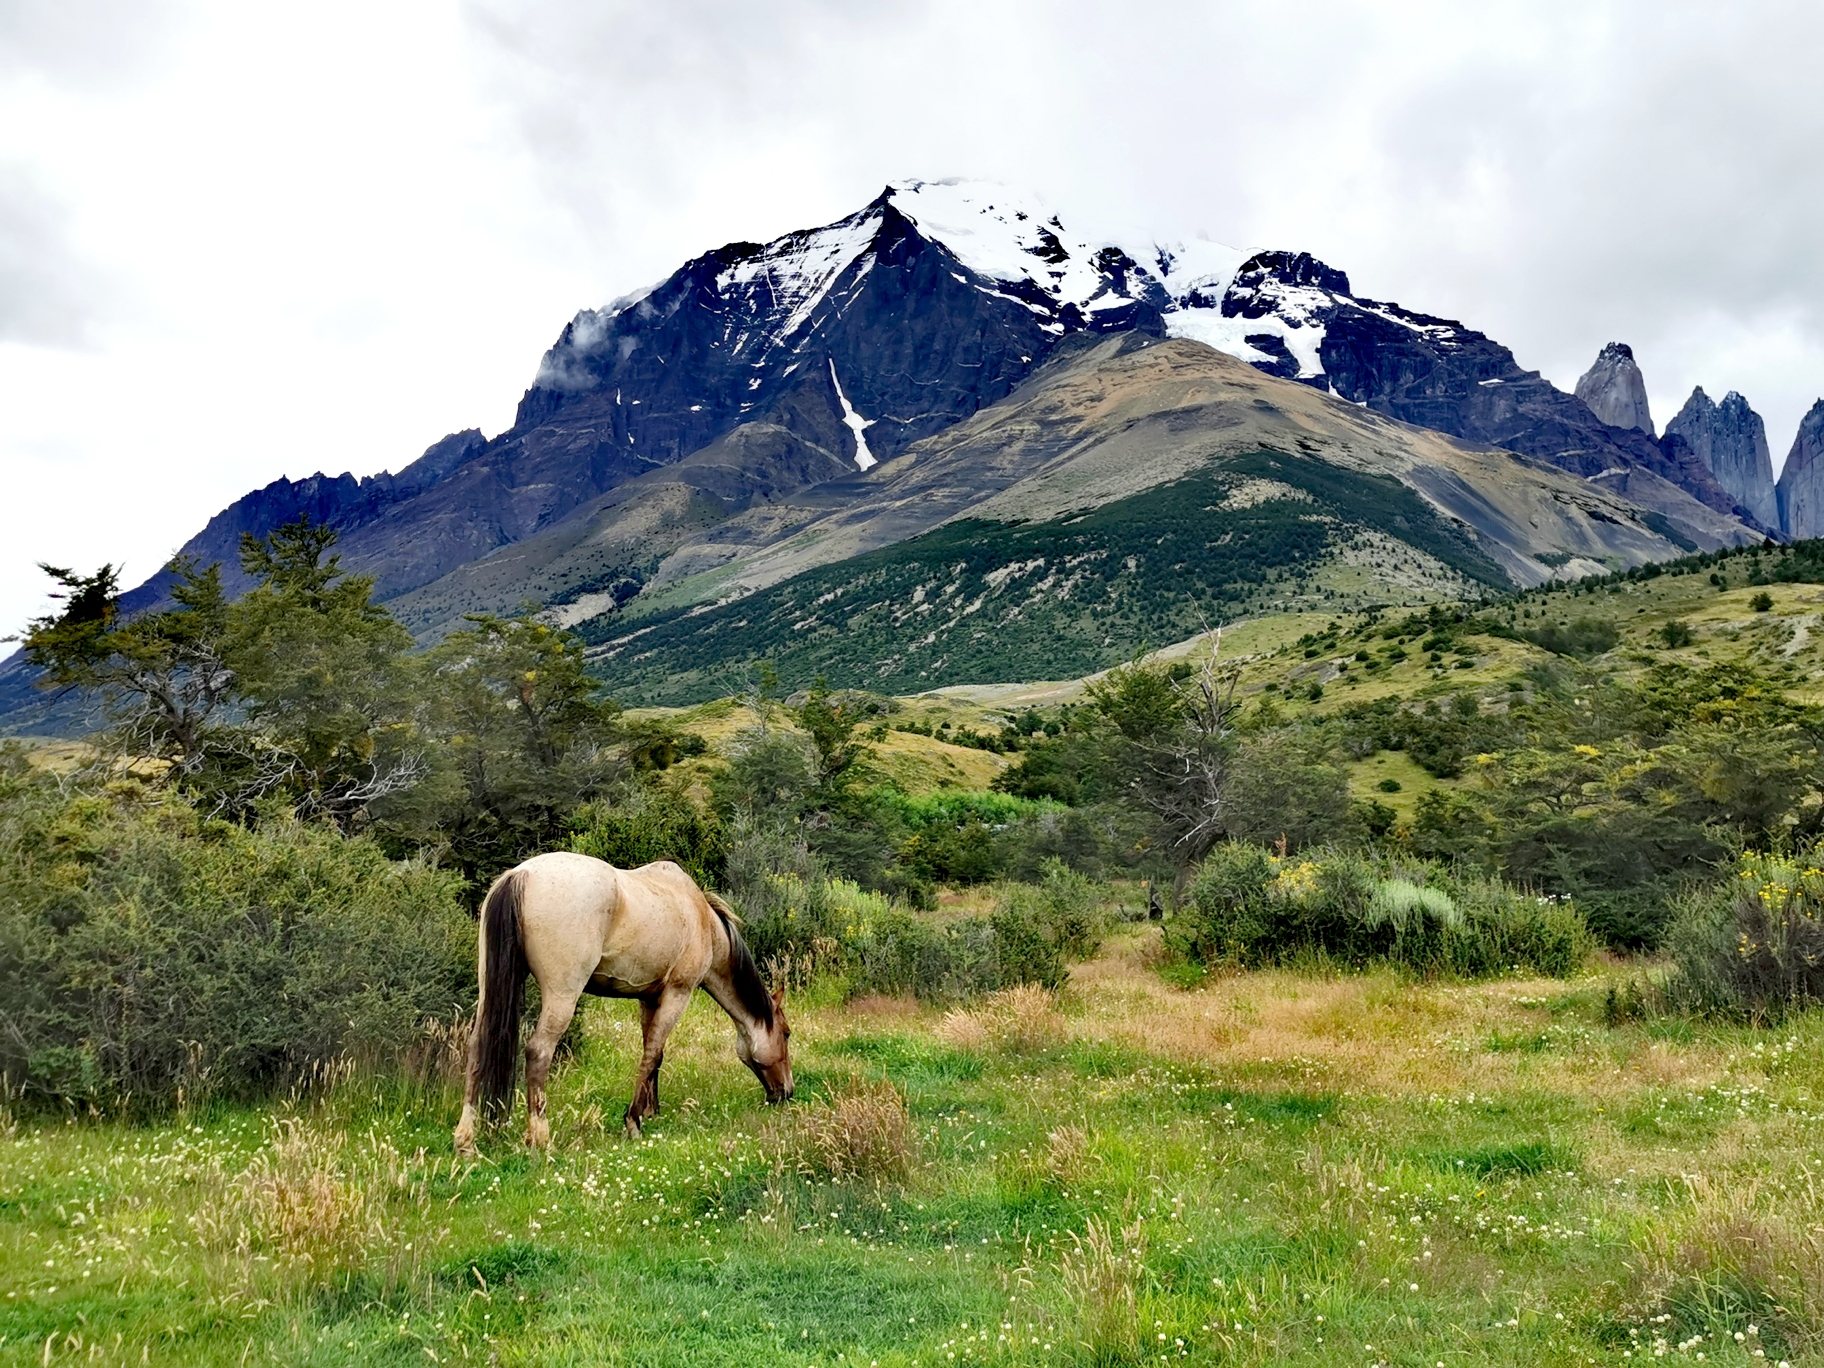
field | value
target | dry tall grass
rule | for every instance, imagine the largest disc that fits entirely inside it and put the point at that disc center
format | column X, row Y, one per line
column 861, row 1132
column 1371, row 1032
column 296, row 1200
column 1023, row 1020
column 1068, row 1157
column 963, row 1031
column 313, row 1205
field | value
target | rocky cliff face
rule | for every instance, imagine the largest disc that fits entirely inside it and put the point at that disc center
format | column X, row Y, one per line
column 1297, row 318
column 1801, row 487
column 1731, row 440
column 1615, row 390
column 341, row 500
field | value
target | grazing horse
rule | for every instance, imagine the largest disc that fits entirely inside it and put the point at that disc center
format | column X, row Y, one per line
column 579, row 925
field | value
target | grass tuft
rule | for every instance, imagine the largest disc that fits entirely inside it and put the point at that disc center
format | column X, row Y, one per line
column 861, row 1132
column 1103, row 1273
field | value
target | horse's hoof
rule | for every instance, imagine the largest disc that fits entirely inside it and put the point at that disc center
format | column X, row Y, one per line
column 538, row 1134
column 631, row 1128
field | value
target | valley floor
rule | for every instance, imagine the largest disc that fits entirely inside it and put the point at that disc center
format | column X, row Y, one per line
column 1266, row 1167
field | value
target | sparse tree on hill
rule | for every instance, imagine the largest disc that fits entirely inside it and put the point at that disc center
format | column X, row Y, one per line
column 162, row 676
column 1175, row 746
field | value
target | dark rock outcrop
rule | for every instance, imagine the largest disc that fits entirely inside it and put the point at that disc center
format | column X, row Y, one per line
column 1801, row 486
column 1731, row 440
column 343, row 501
column 1295, row 317
column 1615, row 390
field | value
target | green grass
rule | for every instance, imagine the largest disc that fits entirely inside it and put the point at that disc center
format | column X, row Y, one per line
column 1307, row 1167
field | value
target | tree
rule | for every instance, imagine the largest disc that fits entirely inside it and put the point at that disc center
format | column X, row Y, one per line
column 1175, row 741
column 162, row 676
column 522, row 742
column 1276, row 789
column 831, row 721
column 326, row 685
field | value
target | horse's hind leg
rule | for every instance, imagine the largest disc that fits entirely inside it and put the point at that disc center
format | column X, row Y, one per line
column 657, row 1020
column 471, row 1090
column 553, row 1021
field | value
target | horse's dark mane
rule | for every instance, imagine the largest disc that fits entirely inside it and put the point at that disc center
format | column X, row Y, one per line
column 744, row 974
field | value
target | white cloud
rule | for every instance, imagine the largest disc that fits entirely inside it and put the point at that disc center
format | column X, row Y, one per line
column 253, row 240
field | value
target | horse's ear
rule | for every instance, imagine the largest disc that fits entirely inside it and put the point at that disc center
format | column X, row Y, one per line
column 778, row 997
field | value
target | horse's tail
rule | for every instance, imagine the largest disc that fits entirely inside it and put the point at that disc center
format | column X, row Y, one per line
column 503, row 990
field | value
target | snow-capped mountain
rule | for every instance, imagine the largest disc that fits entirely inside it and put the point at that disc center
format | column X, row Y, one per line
column 762, row 368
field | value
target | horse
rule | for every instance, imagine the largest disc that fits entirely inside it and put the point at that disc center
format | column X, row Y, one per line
column 579, row 925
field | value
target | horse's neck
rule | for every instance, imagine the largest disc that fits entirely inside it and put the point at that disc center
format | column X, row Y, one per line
column 719, row 983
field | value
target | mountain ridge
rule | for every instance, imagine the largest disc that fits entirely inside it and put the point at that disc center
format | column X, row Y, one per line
column 762, row 379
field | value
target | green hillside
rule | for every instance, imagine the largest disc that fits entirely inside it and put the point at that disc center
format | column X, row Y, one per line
column 974, row 601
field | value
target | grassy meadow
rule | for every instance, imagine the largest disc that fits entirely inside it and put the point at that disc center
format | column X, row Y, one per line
column 1273, row 1166
column 1284, row 1125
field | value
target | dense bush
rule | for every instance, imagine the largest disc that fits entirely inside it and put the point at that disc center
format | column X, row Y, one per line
column 651, row 823
column 802, row 925
column 144, row 950
column 1752, row 946
column 1584, row 637
column 1249, row 907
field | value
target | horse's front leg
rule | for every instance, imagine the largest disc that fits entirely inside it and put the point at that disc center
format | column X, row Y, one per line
column 553, row 1021
column 649, row 1008
column 657, row 1018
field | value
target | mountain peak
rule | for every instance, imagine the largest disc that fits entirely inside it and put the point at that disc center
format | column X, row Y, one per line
column 1615, row 390
column 1731, row 440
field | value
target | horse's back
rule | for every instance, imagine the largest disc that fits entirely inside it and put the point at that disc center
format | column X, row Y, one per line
column 629, row 931
column 566, row 907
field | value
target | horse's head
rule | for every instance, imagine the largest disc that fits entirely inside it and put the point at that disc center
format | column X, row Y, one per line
column 764, row 1048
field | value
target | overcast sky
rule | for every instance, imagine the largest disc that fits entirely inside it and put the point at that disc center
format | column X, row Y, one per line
column 239, row 241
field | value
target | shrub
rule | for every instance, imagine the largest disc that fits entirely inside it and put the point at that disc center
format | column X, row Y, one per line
column 1081, row 838
column 955, row 854
column 1038, row 928
column 1583, row 638
column 144, row 950
column 651, row 823
column 1753, row 946
column 899, row 952
column 1249, row 907
column 800, row 924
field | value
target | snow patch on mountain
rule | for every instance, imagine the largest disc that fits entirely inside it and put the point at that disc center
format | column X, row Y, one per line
column 855, row 423
column 1208, row 326
column 1009, row 237
column 795, row 272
